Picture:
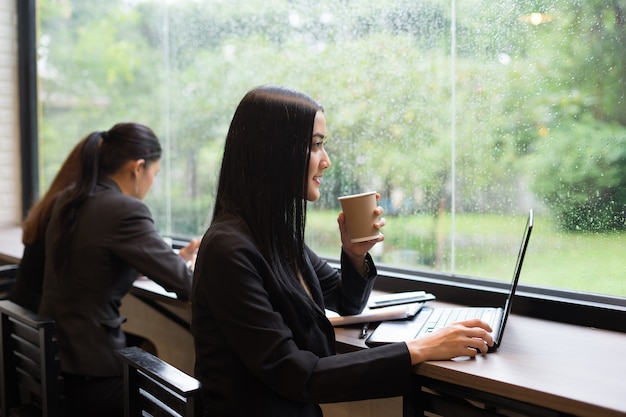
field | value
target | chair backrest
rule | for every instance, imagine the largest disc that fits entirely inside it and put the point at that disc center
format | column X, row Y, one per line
column 156, row 388
column 8, row 275
column 30, row 382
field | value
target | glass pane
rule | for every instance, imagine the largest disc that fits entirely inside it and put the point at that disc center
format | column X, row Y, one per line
column 462, row 115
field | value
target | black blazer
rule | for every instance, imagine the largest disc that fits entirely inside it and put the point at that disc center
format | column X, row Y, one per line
column 27, row 288
column 258, row 354
column 115, row 240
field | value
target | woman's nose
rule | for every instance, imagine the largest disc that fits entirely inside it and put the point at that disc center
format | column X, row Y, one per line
column 326, row 160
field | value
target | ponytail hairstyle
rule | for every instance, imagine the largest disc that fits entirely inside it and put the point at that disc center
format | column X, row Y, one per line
column 35, row 223
column 102, row 154
column 263, row 176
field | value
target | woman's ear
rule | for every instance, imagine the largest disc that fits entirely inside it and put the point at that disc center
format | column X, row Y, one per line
column 136, row 165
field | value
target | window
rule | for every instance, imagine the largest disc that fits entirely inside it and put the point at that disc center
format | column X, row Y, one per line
column 462, row 115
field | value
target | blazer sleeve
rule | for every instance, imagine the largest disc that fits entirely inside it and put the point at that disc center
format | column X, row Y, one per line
column 137, row 242
column 231, row 282
column 346, row 291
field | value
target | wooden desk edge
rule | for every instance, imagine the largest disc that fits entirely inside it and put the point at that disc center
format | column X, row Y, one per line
column 11, row 247
column 347, row 341
column 439, row 372
column 6, row 259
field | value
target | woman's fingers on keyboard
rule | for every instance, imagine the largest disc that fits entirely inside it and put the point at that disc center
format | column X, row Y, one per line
column 476, row 323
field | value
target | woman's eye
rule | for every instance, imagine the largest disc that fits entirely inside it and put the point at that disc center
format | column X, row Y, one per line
column 318, row 144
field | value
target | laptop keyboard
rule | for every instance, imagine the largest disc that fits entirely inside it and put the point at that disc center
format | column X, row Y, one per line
column 442, row 317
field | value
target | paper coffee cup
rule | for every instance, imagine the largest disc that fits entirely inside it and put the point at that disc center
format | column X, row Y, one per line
column 360, row 217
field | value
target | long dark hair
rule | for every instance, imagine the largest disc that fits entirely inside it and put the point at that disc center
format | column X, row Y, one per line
column 103, row 153
column 34, row 226
column 263, row 175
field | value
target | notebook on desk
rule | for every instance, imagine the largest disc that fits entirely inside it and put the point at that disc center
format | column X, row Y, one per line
column 430, row 319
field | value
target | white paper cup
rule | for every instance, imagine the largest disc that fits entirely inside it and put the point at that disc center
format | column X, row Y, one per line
column 358, row 210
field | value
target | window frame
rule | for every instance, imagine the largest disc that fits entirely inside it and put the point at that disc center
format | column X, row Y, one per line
column 592, row 310
column 583, row 309
column 27, row 93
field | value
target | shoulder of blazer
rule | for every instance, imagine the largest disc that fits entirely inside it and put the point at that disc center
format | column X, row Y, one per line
column 110, row 196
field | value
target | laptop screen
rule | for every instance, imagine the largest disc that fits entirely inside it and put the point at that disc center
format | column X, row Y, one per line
column 516, row 273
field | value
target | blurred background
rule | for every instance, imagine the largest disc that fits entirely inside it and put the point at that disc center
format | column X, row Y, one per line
column 462, row 115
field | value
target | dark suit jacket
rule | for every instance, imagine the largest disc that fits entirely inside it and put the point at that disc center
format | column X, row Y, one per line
column 259, row 354
column 114, row 241
column 27, row 288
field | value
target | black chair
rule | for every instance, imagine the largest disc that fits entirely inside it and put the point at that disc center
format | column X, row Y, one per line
column 30, row 382
column 152, row 387
column 8, row 274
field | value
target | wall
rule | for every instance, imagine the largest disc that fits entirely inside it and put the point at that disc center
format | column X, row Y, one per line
column 10, row 178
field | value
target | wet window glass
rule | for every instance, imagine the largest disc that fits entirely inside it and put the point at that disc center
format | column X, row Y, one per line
column 462, row 115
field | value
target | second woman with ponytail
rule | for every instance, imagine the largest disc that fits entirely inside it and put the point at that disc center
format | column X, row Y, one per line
column 100, row 238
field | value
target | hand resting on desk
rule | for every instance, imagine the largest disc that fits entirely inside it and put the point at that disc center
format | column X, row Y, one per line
column 465, row 338
column 189, row 252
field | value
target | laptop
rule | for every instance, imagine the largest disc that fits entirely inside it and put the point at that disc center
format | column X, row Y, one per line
column 430, row 319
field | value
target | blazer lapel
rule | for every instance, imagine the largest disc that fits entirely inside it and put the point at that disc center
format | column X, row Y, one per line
column 310, row 277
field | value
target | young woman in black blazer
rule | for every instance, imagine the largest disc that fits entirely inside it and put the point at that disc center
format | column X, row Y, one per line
column 264, row 346
column 99, row 239
column 27, row 288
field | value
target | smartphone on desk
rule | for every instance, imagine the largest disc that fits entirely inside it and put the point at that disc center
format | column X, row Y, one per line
column 386, row 300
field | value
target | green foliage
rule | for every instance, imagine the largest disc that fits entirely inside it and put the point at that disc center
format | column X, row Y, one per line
column 581, row 174
column 381, row 70
column 515, row 113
